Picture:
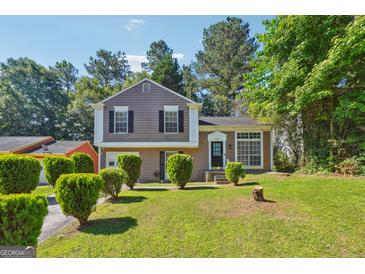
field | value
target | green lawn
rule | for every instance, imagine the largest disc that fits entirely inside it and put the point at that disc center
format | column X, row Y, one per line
column 43, row 190
column 308, row 216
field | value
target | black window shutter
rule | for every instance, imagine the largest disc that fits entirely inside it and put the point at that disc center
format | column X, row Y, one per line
column 162, row 165
column 111, row 121
column 130, row 121
column 161, row 120
column 181, row 121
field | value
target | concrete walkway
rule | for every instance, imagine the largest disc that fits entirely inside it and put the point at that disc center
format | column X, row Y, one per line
column 175, row 187
column 56, row 220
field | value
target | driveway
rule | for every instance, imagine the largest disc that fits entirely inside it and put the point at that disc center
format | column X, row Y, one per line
column 55, row 220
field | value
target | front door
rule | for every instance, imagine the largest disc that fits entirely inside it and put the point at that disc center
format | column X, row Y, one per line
column 217, row 155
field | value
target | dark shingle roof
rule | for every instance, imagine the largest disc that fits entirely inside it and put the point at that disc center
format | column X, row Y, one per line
column 59, row 147
column 229, row 121
column 11, row 143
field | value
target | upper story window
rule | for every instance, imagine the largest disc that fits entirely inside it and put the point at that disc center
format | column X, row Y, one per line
column 249, row 148
column 120, row 119
column 171, row 119
column 146, row 88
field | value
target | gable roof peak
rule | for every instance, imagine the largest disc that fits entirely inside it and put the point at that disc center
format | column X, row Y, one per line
column 151, row 81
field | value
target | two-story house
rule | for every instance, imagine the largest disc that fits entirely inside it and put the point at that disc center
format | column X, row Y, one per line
column 155, row 122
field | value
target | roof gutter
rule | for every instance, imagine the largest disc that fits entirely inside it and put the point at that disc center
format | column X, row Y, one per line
column 24, row 148
column 147, row 144
column 206, row 128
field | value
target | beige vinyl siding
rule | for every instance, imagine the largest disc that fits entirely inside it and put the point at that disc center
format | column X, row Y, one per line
column 146, row 108
column 151, row 156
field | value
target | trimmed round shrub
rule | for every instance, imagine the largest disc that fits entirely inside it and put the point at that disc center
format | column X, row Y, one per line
column 83, row 162
column 234, row 172
column 132, row 165
column 179, row 169
column 21, row 219
column 55, row 166
column 18, row 174
column 77, row 194
column 113, row 180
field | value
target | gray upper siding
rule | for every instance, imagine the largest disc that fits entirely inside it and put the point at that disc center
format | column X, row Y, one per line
column 146, row 108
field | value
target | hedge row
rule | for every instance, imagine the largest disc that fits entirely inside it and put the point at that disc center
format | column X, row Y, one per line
column 22, row 214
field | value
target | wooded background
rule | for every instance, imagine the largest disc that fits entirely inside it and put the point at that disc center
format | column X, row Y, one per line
column 305, row 73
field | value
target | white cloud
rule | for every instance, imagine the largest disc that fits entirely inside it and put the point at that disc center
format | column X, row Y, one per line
column 133, row 24
column 135, row 62
column 136, row 21
column 178, row 55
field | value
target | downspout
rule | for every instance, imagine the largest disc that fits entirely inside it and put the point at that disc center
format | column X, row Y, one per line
column 99, row 158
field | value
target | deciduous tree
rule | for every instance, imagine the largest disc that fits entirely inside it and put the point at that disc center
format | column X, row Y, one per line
column 33, row 101
column 80, row 118
column 311, row 72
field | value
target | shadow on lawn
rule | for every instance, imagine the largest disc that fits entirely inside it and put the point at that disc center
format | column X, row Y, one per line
column 151, row 189
column 249, row 184
column 109, row 226
column 129, row 199
column 269, row 201
column 200, row 187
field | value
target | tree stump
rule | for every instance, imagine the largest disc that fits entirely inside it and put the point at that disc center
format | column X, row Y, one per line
column 258, row 193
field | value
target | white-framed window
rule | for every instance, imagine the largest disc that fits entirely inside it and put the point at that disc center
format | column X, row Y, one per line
column 121, row 120
column 249, row 148
column 112, row 163
column 167, row 155
column 111, row 158
column 171, row 119
column 146, row 88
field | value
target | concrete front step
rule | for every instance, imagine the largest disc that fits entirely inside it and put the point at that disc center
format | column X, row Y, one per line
column 210, row 174
column 222, row 182
column 220, row 179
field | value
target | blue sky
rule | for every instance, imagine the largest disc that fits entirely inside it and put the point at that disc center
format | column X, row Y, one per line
column 48, row 39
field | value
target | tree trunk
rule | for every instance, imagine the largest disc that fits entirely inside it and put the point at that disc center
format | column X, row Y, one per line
column 331, row 126
column 82, row 220
column 258, row 193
